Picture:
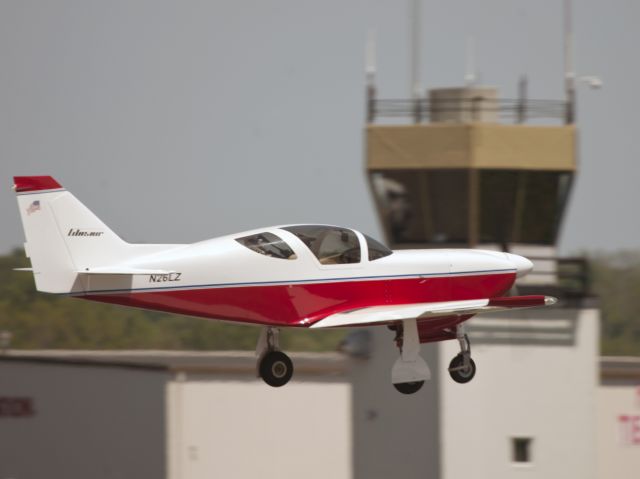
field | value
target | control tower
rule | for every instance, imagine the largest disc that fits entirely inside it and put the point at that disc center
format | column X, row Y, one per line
column 467, row 170
column 462, row 167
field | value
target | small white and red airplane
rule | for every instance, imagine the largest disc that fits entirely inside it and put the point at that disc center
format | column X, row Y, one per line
column 303, row 276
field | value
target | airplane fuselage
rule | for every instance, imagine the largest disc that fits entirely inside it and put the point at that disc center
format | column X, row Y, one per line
column 222, row 279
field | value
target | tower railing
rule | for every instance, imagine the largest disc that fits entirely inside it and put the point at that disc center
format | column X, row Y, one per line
column 422, row 110
column 571, row 276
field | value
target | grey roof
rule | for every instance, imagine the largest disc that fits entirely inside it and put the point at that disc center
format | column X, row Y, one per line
column 619, row 369
column 176, row 361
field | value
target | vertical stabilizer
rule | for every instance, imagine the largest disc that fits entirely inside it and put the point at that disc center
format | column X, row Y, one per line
column 63, row 236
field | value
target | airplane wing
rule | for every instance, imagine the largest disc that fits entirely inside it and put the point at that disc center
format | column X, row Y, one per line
column 386, row 314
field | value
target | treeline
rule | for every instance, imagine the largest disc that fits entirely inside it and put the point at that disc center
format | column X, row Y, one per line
column 43, row 321
column 616, row 281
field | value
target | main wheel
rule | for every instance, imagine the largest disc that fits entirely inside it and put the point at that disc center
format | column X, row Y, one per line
column 276, row 368
column 408, row 388
column 458, row 373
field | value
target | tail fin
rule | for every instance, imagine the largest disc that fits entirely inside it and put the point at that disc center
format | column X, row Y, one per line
column 63, row 236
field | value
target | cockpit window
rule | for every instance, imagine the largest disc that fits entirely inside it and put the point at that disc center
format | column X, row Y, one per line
column 376, row 249
column 331, row 245
column 268, row 244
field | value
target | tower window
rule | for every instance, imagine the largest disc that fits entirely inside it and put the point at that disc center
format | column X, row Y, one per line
column 521, row 450
column 420, row 207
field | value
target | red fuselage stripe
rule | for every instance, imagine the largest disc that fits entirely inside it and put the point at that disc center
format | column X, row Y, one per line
column 302, row 304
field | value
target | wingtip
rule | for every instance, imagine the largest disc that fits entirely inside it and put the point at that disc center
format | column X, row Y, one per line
column 550, row 300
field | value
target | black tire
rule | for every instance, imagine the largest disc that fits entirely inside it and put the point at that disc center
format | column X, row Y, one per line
column 276, row 368
column 461, row 376
column 408, row 388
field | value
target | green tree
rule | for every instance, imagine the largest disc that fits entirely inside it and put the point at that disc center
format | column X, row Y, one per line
column 44, row 321
column 616, row 281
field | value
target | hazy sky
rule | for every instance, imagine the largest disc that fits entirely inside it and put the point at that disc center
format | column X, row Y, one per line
column 176, row 121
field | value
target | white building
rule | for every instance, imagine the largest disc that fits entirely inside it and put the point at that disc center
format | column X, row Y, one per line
column 91, row 414
column 535, row 407
column 618, row 399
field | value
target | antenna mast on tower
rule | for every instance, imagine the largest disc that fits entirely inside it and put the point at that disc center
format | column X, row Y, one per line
column 470, row 76
column 415, row 88
column 569, row 73
column 370, row 72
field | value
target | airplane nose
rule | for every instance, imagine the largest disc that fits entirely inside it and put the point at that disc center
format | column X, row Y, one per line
column 522, row 264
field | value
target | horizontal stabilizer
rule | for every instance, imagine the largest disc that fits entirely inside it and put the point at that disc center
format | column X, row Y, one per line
column 388, row 314
column 23, row 269
column 123, row 270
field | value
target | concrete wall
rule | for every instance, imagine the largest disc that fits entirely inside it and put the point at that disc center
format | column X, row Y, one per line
column 73, row 421
column 395, row 435
column 235, row 426
column 537, row 378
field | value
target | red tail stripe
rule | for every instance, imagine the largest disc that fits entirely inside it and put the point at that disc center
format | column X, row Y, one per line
column 35, row 183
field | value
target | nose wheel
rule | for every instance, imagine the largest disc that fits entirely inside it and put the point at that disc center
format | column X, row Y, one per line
column 410, row 371
column 462, row 369
column 409, row 388
column 274, row 367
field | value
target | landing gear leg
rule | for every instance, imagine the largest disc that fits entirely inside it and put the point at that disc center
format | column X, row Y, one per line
column 462, row 369
column 274, row 367
column 410, row 371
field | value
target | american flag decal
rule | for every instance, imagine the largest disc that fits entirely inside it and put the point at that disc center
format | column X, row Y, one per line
column 33, row 207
